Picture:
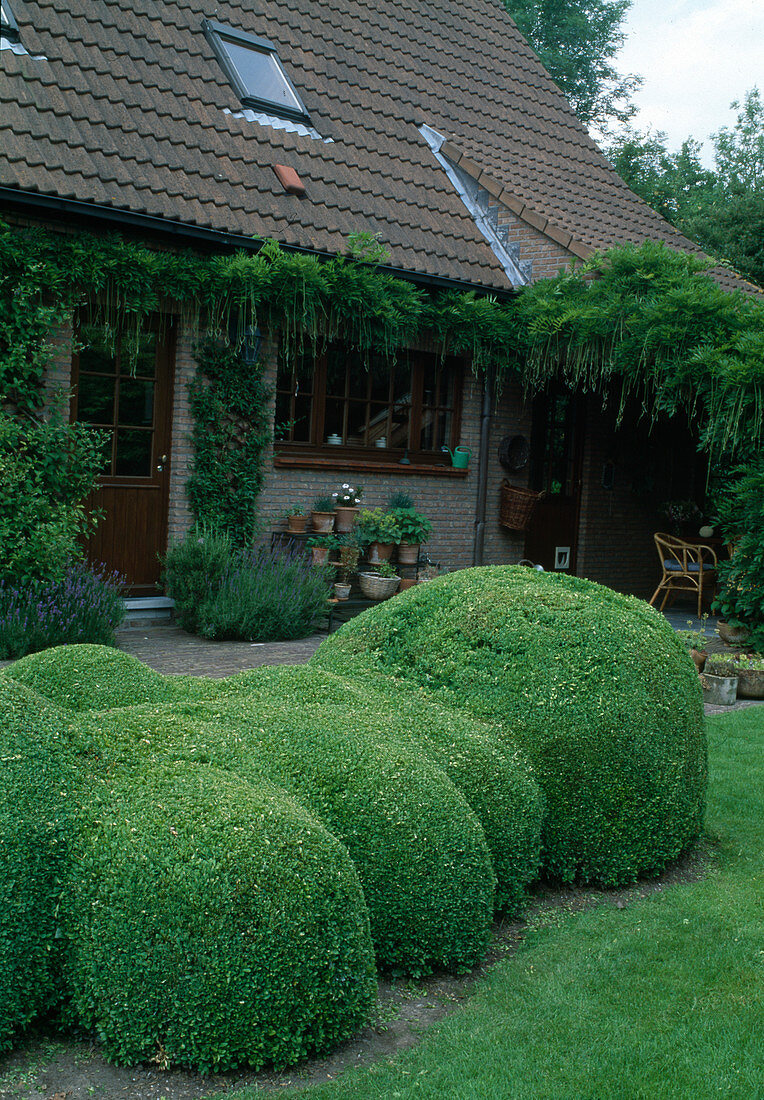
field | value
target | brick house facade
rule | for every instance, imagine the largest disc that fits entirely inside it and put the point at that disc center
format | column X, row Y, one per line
column 441, row 135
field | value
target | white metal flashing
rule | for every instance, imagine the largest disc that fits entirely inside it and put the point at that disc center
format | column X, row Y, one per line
column 278, row 123
column 17, row 48
column 477, row 201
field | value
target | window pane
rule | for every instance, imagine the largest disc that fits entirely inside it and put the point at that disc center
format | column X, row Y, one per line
column 138, row 356
column 133, row 453
column 261, row 75
column 136, row 402
column 302, row 412
column 358, row 383
column 96, row 355
column 95, row 399
column 333, row 418
column 357, row 423
column 336, row 373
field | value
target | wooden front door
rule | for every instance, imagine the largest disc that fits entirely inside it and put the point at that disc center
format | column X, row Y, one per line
column 556, row 460
column 125, row 387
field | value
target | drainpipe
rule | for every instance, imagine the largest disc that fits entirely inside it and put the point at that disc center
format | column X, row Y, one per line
column 489, row 384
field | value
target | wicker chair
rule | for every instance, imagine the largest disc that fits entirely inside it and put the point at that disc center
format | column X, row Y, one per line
column 687, row 567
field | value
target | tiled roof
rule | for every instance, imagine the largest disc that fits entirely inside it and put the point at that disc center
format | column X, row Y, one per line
column 131, row 111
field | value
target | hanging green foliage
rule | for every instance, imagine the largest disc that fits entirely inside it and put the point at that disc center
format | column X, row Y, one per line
column 649, row 322
column 645, row 320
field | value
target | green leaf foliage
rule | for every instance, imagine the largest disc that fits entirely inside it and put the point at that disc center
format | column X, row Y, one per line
column 741, row 576
column 592, row 686
column 35, row 841
column 212, row 923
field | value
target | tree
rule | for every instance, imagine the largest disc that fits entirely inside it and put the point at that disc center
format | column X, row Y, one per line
column 722, row 210
column 577, row 40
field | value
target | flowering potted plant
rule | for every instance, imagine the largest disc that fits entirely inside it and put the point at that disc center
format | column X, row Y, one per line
column 346, row 501
column 680, row 515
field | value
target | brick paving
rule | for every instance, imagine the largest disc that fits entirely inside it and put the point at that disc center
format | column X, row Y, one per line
column 170, row 650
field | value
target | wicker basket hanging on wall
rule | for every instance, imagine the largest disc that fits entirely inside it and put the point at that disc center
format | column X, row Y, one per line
column 516, row 506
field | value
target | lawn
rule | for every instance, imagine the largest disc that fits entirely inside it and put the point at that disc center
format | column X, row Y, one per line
column 661, row 998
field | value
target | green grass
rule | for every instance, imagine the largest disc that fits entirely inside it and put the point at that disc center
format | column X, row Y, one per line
column 662, row 998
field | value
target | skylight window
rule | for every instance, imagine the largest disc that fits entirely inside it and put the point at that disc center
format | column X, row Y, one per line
column 254, row 69
column 8, row 26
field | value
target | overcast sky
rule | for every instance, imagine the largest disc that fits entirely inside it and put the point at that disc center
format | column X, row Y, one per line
column 696, row 56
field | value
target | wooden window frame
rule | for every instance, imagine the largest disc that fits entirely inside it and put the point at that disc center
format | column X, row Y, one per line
column 317, row 452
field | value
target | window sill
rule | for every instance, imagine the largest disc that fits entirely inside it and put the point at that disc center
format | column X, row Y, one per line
column 364, row 465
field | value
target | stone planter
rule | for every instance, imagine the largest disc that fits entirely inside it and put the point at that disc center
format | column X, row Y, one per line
column 731, row 635
column 344, row 518
column 750, row 681
column 322, row 522
column 720, row 690
column 341, row 591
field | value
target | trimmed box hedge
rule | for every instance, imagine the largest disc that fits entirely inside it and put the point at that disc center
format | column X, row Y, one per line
column 591, row 685
column 35, row 838
column 212, row 923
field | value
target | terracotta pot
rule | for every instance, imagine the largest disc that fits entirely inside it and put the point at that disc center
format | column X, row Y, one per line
column 344, row 518
column 408, row 553
column 323, row 522
column 407, row 582
column 296, row 524
column 319, row 555
column 381, row 551
column 700, row 657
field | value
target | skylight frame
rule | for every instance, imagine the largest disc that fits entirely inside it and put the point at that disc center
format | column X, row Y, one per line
column 9, row 28
column 217, row 34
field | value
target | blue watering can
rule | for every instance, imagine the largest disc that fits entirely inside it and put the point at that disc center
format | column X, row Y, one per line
column 460, row 456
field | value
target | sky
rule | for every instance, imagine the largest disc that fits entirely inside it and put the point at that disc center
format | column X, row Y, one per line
column 696, row 56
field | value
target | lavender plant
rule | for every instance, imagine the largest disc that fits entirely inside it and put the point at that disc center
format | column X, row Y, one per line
column 83, row 605
column 265, row 595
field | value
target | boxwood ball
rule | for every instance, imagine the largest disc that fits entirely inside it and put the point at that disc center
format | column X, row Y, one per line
column 591, row 685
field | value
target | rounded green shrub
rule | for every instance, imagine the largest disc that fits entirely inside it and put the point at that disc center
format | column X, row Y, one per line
column 212, row 923
column 96, row 677
column 494, row 778
column 420, row 852
column 35, row 802
column 591, row 685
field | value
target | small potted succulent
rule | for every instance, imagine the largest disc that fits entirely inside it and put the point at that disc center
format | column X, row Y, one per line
column 380, row 531
column 322, row 514
column 346, row 501
column 296, row 519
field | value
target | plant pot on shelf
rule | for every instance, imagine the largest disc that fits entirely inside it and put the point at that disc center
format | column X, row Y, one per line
column 344, row 518
column 319, row 555
column 380, row 551
column 323, row 522
column 296, row 525
column 341, row 591
column 407, row 582
column 375, row 587
column 699, row 657
column 408, row 553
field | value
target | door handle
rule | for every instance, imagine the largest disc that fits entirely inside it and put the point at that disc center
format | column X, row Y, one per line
column 161, row 463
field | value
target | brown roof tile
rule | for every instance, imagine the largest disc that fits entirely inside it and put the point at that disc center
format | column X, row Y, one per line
column 129, row 111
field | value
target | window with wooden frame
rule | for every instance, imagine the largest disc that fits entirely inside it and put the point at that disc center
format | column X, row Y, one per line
column 368, row 410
